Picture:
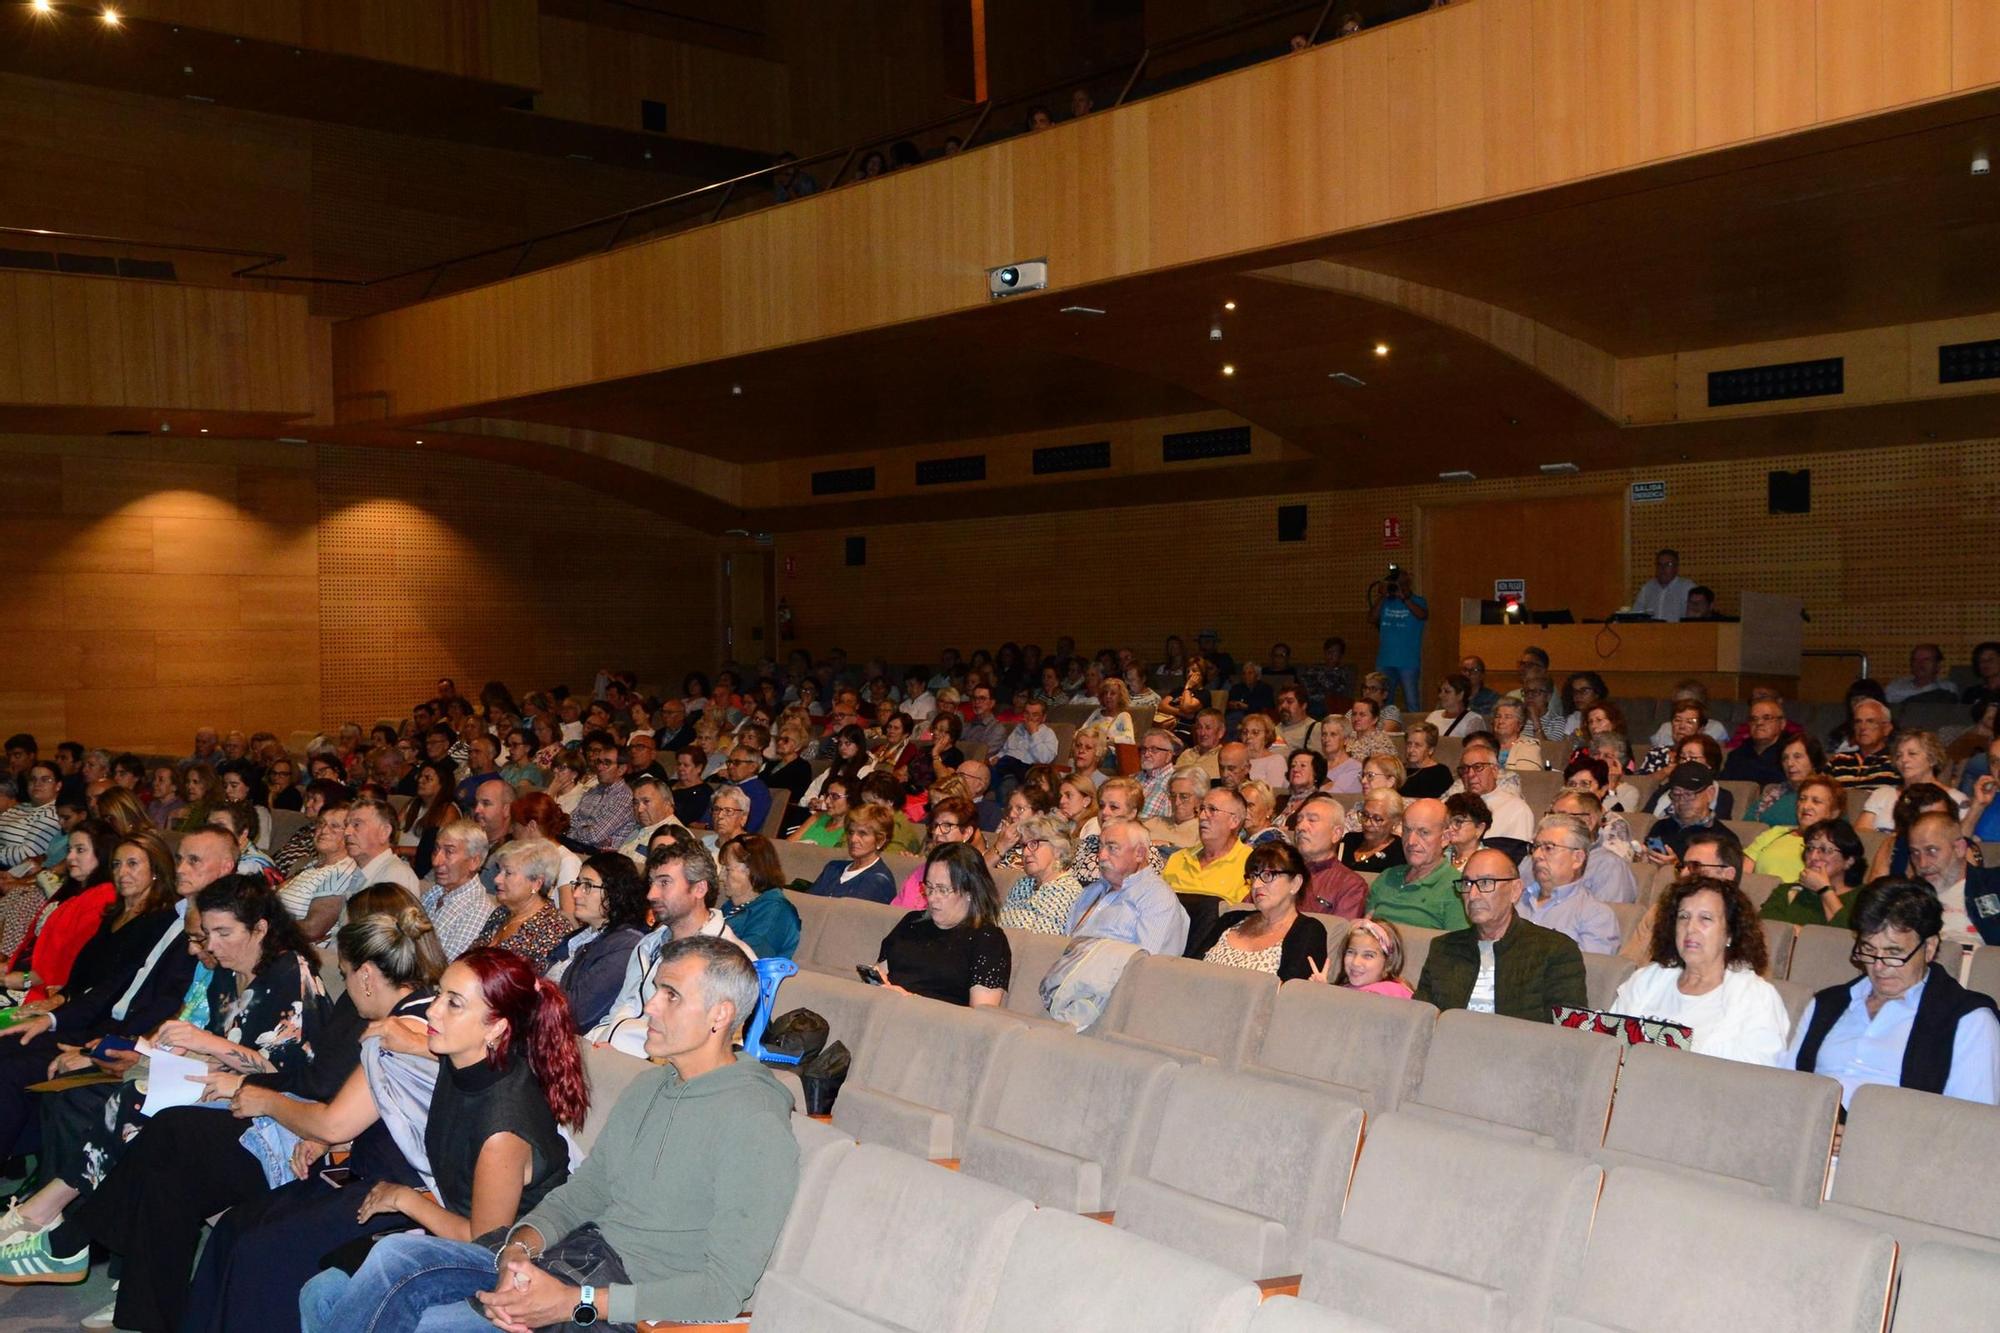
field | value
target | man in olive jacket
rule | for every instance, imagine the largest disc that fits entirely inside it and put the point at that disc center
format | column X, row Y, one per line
column 1501, row 964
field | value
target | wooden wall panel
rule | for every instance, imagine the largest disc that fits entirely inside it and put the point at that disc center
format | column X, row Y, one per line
column 490, row 40
column 599, row 75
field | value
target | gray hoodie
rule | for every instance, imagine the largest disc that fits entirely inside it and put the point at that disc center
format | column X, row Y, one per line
column 689, row 1183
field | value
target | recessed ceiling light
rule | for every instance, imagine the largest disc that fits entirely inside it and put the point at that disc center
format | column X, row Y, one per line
column 1081, row 310
column 1458, row 474
column 111, row 17
column 44, row 6
column 1555, row 468
column 735, row 391
column 1229, row 305
column 204, row 430
column 1228, row 369
column 419, row 441
column 1381, row 349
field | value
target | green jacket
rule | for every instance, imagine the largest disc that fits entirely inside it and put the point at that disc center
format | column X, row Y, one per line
column 1432, row 901
column 1534, row 968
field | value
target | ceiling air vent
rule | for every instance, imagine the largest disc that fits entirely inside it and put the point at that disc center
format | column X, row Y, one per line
column 951, row 471
column 844, row 481
column 1194, row 445
column 1092, row 457
column 1770, row 384
column 1960, row 362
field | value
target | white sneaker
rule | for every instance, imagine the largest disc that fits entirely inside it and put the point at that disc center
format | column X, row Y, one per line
column 102, row 1319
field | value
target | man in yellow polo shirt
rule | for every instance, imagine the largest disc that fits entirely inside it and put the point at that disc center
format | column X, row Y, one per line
column 1215, row 865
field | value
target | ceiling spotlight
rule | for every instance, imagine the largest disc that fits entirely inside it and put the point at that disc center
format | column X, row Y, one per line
column 204, row 430
column 1229, row 305
column 735, row 391
column 1381, row 349
column 44, row 6
column 1981, row 165
column 1228, row 369
column 419, row 441
column 111, row 17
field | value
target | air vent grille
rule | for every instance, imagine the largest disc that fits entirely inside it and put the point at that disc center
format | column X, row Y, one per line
column 1091, row 457
column 951, row 471
column 1770, row 384
column 844, row 481
column 1195, row 445
column 1960, row 362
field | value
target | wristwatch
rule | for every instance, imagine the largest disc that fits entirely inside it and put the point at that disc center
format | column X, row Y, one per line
column 585, row 1313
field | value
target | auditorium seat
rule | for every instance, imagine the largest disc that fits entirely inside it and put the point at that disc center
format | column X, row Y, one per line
column 1289, row 1314
column 804, row 861
column 1945, row 1289
column 1631, row 916
column 610, row 1073
column 1447, row 1228
column 902, row 865
column 878, row 1240
column 1519, row 1079
column 1767, row 1131
column 814, row 1136
column 1240, row 1170
column 1366, row 1047
column 812, row 910
column 1796, row 995
column 1068, row 1273
column 1745, row 794
column 850, row 936
column 1416, row 949
column 1603, row 974
column 1669, row 1254
column 914, row 1076
column 1921, row 1167
column 1195, row 1012
column 847, row 1004
column 1984, row 973
column 1819, row 958
column 1061, row 1120
column 1033, row 954
column 1780, row 939
column 1540, row 790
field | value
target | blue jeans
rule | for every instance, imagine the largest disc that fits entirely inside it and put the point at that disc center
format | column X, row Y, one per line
column 1412, row 686
column 409, row 1283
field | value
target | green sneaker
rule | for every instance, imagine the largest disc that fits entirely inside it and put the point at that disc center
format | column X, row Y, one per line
column 27, row 1262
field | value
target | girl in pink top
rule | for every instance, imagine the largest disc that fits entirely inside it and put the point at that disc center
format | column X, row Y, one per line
column 1372, row 960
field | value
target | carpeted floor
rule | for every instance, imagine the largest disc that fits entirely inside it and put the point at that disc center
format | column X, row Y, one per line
column 52, row 1309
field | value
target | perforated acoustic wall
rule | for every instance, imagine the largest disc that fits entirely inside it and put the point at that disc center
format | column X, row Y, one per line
column 1896, row 549
column 431, row 564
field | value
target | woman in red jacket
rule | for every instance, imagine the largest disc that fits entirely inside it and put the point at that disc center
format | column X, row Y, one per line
column 71, row 916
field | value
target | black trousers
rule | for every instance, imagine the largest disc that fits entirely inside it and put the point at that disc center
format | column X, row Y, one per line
column 186, row 1164
column 22, row 1063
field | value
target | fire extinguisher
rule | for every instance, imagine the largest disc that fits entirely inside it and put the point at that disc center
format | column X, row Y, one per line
column 785, row 630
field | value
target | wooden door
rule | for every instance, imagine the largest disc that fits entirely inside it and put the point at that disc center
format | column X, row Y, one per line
column 749, row 604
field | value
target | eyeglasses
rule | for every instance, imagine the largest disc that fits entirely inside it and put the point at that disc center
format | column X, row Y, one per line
column 1465, row 770
column 1486, row 884
column 1587, row 787
column 581, row 884
column 946, row 826
column 1866, row 958
column 1268, row 876
column 1546, row 846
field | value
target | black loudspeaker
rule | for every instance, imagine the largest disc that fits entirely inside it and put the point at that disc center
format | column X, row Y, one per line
column 1291, row 523
column 1791, row 492
column 652, row 115
column 857, row 550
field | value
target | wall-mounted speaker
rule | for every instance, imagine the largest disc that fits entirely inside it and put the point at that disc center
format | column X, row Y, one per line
column 857, row 551
column 1291, row 523
column 1791, row 492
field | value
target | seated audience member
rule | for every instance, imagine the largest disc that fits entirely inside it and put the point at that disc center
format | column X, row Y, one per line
column 1043, row 899
column 884, row 790
column 690, row 791
column 1378, row 843
column 610, row 901
column 1263, row 757
column 1799, row 757
column 683, row 887
column 1275, row 935
column 1453, row 716
column 1424, row 890
column 1708, row 957
column 1215, row 864
column 1926, row 679
column 740, row 770
column 71, row 916
column 371, row 835
column 863, row 874
column 1701, row 605
column 1369, row 735
column 1920, row 758
column 1552, row 889
column 163, row 807
column 1480, row 697
column 1129, row 901
column 1866, row 761
column 753, row 897
column 1076, row 802
column 1968, row 895
column 951, row 819
column 828, row 825
column 1330, row 679
column 953, row 950
column 241, row 821
column 1371, row 960
column 1689, row 719
column 521, row 772
column 1760, row 758
column 1181, row 827
column 1113, row 715
column 199, row 793
column 1832, row 869
column 1426, row 776
column 728, row 817
column 1024, row 803
column 1714, row 853
column 1692, row 792
column 1545, row 714
column 1087, row 751
column 1250, row 693
column 1664, row 596
column 984, row 729
column 1905, row 1021
column 1305, row 776
column 1982, row 816
column 1519, row 752
column 1158, row 751
column 524, row 921
column 1332, row 887
column 978, row 780
column 1607, row 871
column 1581, row 691
column 1204, row 750
column 1466, row 820
column 1686, row 693
column 652, row 810
column 1513, row 823
column 456, row 899
column 1343, row 769
column 1500, row 963
column 603, row 814
column 1780, row 851
column 27, row 828
column 1892, row 855
column 1296, row 726
column 1032, row 743
column 509, row 1077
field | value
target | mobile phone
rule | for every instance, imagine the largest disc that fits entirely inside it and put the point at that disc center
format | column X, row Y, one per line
column 869, row 974
column 1655, row 845
column 337, row 1176
column 106, row 1047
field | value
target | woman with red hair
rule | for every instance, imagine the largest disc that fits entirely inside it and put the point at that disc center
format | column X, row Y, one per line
column 509, row 1075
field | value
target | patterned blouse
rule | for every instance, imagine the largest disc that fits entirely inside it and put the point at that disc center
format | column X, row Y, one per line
column 535, row 940
column 1227, row 954
column 1375, row 742
column 1041, row 908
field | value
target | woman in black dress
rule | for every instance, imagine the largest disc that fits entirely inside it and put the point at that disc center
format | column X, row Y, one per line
column 953, row 950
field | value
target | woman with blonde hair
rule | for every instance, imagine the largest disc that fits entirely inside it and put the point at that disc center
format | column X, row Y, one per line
column 1076, row 798
column 1259, row 733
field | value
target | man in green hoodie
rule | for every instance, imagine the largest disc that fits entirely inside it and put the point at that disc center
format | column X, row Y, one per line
column 677, row 1209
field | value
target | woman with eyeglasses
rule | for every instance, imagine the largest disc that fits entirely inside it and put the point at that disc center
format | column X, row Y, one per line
column 1041, row 899
column 1378, row 843
column 1823, row 892
column 281, row 785
column 1904, row 1021
column 1708, row 961
column 952, row 819
column 1274, row 936
column 610, row 901
column 1579, row 692
column 1465, row 825
column 952, row 950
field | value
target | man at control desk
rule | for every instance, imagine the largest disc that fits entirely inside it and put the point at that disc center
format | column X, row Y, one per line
column 1665, row 595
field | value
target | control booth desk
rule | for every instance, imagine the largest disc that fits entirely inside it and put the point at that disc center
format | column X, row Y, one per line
column 1645, row 659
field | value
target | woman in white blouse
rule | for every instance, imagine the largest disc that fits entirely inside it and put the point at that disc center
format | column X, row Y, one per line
column 1708, row 952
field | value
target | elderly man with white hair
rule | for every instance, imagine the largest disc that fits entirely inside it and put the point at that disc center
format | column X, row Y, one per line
column 1869, row 761
column 455, row 898
column 728, row 817
column 1553, row 893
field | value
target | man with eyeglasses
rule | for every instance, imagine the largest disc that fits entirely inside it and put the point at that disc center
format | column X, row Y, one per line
column 1607, row 875
column 1757, row 758
column 984, row 729
column 1904, row 1022
column 652, row 810
column 1868, row 760
column 1501, row 963
column 1513, row 822
column 1691, row 792
column 1423, row 892
column 1157, row 751
column 1552, row 890
column 603, row 815
column 1181, row 827
column 1968, row 895
column 740, row 770
column 1215, row 865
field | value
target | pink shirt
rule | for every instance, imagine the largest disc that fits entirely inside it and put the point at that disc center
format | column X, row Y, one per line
column 911, row 896
column 1394, row 989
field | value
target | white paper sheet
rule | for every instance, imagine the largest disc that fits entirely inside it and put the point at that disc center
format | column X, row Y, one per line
column 172, row 1079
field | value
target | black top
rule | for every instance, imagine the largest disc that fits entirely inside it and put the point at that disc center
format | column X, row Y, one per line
column 469, row 1107
column 1304, row 944
column 794, row 777
column 946, row 964
column 691, row 803
column 291, row 798
column 1927, row 1050
column 1427, row 783
column 1351, row 856
column 104, row 969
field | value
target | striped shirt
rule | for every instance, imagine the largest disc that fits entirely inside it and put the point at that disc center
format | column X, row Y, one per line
column 26, row 832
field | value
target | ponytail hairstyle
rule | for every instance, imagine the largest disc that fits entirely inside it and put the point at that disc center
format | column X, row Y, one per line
column 537, row 1016
column 404, row 947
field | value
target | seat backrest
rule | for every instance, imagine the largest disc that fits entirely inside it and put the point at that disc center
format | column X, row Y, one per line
column 1745, row 794
column 950, row 1236
column 803, row 860
column 1034, row 954
column 1796, row 995
column 1923, row 1157
column 1983, row 975
column 1945, row 1289
column 1191, row 1009
column 1060, row 1120
column 1066, row 1272
column 851, row 936
column 609, row 1073
column 1760, row 1129
column 1857, row 803
column 1603, row 974
column 1253, row 1205
column 912, row 1086
column 816, row 1136
column 1371, row 1047
column 847, row 1005
column 812, row 910
column 1416, row 949
column 1820, row 957
column 774, row 819
column 1289, row 1314
column 1780, row 938
column 1834, row 1280
column 285, row 823
column 1540, row 790
column 902, row 865
column 1630, row 916
column 1446, row 1228
column 1758, row 887
column 1530, row 1080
